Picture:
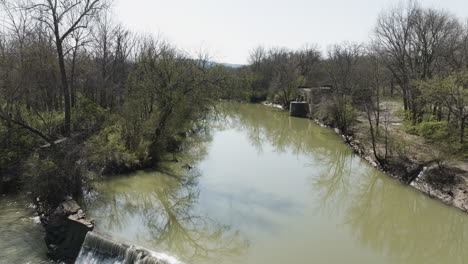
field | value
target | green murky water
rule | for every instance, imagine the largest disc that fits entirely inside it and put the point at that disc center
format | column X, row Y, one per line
column 268, row 188
column 264, row 188
column 21, row 240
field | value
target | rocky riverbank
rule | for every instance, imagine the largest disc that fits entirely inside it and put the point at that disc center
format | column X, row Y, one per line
column 66, row 228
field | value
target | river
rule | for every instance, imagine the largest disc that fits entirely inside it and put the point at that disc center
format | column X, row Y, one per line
column 21, row 238
column 258, row 186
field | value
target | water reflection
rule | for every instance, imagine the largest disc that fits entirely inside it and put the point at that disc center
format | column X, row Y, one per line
column 334, row 182
column 384, row 217
column 155, row 210
column 383, row 214
column 274, row 127
column 274, row 189
column 389, row 217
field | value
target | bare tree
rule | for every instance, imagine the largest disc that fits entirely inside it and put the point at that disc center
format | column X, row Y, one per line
column 375, row 78
column 342, row 68
column 18, row 27
column 257, row 55
column 79, row 39
column 309, row 58
column 393, row 35
column 103, row 40
column 286, row 75
column 124, row 45
column 413, row 41
column 464, row 46
column 62, row 19
column 432, row 29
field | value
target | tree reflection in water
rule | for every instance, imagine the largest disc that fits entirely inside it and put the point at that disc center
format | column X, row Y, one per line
column 267, row 126
column 330, row 180
column 157, row 210
column 390, row 217
column 382, row 213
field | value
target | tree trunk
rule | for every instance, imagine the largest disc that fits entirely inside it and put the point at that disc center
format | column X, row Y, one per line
column 377, row 116
column 434, row 110
column 66, row 94
column 372, row 133
column 405, row 99
column 158, row 145
column 439, row 114
column 392, row 88
column 72, row 78
column 103, row 93
column 462, row 128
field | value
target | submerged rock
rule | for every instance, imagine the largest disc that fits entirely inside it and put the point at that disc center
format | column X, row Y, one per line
column 66, row 228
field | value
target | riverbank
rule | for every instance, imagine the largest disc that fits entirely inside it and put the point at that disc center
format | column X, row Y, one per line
column 412, row 168
column 414, row 174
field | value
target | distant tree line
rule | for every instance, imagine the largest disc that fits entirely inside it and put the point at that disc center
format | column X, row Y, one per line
column 416, row 54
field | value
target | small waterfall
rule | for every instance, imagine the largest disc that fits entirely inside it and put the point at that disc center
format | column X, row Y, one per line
column 98, row 249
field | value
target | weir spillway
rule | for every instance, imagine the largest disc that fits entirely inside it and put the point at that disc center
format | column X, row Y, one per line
column 99, row 249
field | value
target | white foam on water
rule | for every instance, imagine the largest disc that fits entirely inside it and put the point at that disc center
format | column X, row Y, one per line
column 97, row 249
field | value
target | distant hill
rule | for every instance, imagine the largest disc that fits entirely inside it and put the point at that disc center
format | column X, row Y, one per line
column 230, row 65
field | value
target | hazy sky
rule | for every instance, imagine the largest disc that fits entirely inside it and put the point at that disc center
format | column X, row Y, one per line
column 230, row 29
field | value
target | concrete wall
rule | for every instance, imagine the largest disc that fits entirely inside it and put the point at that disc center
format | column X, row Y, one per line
column 299, row 109
column 316, row 97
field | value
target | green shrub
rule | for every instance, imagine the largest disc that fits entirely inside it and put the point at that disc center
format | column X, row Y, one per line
column 87, row 115
column 351, row 115
column 42, row 179
column 410, row 128
column 54, row 174
column 432, row 130
column 108, row 152
column 15, row 145
column 174, row 143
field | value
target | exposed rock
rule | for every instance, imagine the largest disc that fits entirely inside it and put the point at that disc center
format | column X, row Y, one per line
column 66, row 228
